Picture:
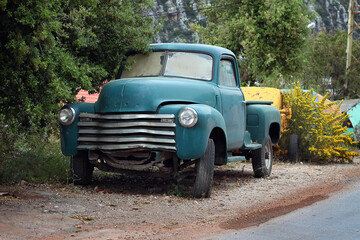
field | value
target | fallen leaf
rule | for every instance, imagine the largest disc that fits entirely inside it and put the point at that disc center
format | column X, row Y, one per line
column 83, row 218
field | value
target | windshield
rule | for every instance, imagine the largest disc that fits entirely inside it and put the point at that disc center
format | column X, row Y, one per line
column 172, row 64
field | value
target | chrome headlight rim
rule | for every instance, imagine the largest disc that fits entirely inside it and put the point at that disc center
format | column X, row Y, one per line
column 192, row 113
column 69, row 120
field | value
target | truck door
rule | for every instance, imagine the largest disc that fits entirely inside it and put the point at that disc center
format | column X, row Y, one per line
column 232, row 102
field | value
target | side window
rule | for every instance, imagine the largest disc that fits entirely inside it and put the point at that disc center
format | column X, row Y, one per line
column 227, row 73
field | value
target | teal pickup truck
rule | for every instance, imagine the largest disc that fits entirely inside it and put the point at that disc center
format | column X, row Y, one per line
column 179, row 106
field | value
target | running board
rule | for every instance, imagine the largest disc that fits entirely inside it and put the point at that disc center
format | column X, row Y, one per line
column 236, row 159
column 248, row 144
column 252, row 146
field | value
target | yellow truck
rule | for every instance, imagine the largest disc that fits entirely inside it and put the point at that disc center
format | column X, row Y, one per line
column 269, row 94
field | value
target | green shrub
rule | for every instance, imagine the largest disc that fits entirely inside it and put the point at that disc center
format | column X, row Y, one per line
column 7, row 142
column 35, row 159
column 319, row 127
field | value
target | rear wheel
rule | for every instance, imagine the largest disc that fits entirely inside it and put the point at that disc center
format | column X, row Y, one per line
column 293, row 148
column 205, row 172
column 80, row 169
column 262, row 160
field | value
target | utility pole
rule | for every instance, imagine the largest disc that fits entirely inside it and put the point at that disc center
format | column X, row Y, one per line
column 353, row 24
column 354, row 8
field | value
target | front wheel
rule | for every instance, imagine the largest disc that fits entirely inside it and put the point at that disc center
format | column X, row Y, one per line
column 80, row 169
column 205, row 172
column 262, row 160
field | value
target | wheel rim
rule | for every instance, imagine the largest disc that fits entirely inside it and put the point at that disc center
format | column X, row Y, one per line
column 268, row 156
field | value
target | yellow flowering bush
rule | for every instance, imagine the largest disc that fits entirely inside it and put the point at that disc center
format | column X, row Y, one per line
column 319, row 127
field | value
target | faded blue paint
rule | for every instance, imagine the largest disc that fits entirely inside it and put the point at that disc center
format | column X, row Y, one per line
column 354, row 117
column 69, row 134
column 236, row 159
column 215, row 51
column 259, row 119
column 233, row 111
column 147, row 94
column 191, row 142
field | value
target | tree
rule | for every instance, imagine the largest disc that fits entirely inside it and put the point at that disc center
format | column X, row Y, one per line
column 270, row 34
column 325, row 61
column 51, row 49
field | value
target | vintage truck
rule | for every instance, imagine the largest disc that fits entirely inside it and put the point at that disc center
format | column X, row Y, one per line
column 179, row 106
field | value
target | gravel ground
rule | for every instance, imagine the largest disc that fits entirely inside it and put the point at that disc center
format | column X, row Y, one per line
column 138, row 207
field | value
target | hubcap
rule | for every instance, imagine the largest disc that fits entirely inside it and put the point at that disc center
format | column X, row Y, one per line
column 268, row 156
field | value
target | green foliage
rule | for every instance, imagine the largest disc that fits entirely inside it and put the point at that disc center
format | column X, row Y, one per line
column 269, row 34
column 177, row 188
column 325, row 65
column 8, row 139
column 319, row 127
column 51, row 49
column 35, row 160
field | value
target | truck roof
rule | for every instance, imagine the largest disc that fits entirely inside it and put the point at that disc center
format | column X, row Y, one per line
column 213, row 50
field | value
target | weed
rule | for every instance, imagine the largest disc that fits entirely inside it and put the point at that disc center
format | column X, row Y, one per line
column 177, row 188
column 36, row 160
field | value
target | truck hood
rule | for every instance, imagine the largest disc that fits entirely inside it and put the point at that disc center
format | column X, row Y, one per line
column 147, row 94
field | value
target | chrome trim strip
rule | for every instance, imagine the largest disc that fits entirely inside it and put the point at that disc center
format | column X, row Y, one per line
column 124, row 146
column 126, row 116
column 125, row 124
column 126, row 139
column 125, row 131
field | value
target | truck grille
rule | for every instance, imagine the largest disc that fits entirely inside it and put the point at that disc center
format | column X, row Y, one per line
column 126, row 131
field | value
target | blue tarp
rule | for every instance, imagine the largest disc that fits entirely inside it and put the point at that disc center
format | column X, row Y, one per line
column 354, row 117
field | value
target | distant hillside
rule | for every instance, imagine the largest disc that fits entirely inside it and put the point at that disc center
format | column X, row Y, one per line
column 178, row 14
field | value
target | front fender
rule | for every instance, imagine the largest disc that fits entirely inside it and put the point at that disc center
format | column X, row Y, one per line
column 191, row 142
column 69, row 134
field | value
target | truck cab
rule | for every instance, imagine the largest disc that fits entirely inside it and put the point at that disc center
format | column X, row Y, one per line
column 180, row 105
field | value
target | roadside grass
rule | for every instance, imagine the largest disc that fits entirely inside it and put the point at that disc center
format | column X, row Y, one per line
column 35, row 160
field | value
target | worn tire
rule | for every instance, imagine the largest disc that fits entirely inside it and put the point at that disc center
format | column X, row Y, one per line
column 80, row 169
column 293, row 151
column 262, row 160
column 205, row 172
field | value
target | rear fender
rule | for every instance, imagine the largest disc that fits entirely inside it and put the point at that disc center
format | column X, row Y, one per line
column 263, row 121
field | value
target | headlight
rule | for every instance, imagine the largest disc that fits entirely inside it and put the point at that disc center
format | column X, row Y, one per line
column 188, row 117
column 67, row 116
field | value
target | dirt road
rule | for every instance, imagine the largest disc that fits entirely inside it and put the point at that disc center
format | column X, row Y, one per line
column 135, row 207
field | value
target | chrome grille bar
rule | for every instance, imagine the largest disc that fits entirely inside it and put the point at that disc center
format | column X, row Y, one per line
column 125, row 139
column 125, row 124
column 126, row 116
column 125, row 147
column 126, row 131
